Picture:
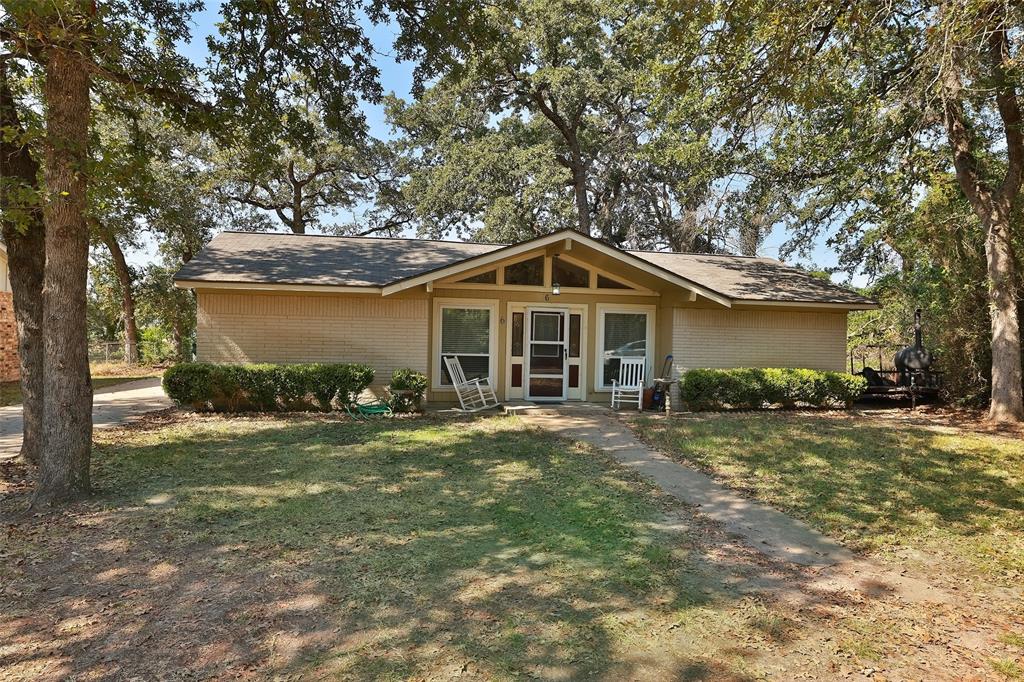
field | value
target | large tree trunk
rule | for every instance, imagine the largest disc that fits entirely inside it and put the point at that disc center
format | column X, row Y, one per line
column 24, row 234
column 579, row 186
column 993, row 206
column 298, row 222
column 178, row 341
column 124, row 278
column 1007, row 404
column 67, row 415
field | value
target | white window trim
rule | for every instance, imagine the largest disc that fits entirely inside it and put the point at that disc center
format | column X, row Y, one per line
column 603, row 308
column 492, row 341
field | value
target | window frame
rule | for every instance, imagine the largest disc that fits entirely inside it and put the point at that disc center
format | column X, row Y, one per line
column 603, row 309
column 437, row 361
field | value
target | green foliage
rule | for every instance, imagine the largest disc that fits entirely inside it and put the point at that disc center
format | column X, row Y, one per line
column 191, row 383
column 942, row 247
column 406, row 390
column 265, row 387
column 558, row 124
column 756, row 388
column 155, row 346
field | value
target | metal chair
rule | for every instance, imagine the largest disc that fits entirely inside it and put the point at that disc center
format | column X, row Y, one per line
column 474, row 394
column 629, row 387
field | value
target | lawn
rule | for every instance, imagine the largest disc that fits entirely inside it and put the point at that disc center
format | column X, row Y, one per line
column 952, row 500
column 10, row 391
column 378, row 551
column 315, row 547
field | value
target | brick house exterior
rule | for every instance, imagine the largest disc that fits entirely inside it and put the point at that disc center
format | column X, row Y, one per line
column 546, row 319
column 9, row 367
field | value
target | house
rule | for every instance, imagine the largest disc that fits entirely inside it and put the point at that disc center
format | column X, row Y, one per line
column 10, row 370
column 546, row 319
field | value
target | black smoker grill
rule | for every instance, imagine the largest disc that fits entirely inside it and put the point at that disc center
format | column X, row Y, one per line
column 913, row 376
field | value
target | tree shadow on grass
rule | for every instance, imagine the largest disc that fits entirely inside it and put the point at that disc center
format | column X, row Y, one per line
column 367, row 551
column 866, row 483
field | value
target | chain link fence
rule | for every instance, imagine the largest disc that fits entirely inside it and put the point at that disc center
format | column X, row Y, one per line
column 149, row 352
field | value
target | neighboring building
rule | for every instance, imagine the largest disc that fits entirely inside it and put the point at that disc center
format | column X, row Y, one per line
column 395, row 303
column 9, row 367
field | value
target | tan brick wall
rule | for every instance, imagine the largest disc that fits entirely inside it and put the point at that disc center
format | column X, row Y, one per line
column 735, row 338
column 9, row 367
column 271, row 327
column 5, row 275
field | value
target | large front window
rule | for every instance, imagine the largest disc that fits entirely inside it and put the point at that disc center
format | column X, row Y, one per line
column 624, row 335
column 466, row 334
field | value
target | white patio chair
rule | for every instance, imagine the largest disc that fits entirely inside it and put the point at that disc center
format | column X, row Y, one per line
column 629, row 387
column 474, row 394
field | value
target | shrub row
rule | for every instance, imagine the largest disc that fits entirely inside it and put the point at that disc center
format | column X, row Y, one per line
column 752, row 388
column 266, row 387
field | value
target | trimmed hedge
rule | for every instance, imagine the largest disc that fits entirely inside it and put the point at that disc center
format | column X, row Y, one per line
column 754, row 388
column 406, row 390
column 265, row 387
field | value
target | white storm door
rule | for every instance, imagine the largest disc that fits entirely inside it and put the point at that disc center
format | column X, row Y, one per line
column 547, row 355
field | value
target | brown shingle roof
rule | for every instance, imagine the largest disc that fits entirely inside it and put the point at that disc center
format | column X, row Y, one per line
column 284, row 258
column 752, row 279
column 274, row 257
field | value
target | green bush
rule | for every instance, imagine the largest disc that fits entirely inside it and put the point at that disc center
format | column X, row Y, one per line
column 191, row 383
column 265, row 387
column 755, row 388
column 406, row 390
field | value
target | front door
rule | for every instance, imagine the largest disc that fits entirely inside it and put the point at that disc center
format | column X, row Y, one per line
column 547, row 355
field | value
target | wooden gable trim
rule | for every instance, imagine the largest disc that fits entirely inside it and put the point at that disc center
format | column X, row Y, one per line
column 506, row 253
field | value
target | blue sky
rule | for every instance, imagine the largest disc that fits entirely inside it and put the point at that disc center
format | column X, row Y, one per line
column 396, row 77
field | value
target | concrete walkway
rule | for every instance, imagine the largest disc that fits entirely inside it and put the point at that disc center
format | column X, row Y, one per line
column 111, row 405
column 761, row 527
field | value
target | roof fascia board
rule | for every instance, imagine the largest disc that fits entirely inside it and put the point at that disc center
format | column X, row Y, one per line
column 540, row 242
column 807, row 304
column 258, row 286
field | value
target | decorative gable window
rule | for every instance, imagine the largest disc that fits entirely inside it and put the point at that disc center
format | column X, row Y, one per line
column 466, row 334
column 609, row 283
column 488, row 277
column 526, row 273
column 568, row 274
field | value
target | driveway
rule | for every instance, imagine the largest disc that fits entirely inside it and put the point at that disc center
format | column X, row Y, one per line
column 110, row 406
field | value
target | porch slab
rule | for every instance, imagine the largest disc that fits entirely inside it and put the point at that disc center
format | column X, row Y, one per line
column 522, row 407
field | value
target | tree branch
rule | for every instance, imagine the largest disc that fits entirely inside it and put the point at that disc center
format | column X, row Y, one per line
column 1009, row 112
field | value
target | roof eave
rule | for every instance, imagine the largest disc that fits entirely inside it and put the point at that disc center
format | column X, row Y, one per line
column 839, row 305
column 274, row 286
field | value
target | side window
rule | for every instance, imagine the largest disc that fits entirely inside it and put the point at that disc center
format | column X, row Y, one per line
column 466, row 333
column 624, row 336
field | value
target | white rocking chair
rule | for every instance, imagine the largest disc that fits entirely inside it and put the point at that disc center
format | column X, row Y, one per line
column 474, row 394
column 629, row 387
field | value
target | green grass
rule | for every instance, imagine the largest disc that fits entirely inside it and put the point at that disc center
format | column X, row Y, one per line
column 316, row 547
column 877, row 487
column 477, row 542
column 1008, row 668
column 10, row 391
